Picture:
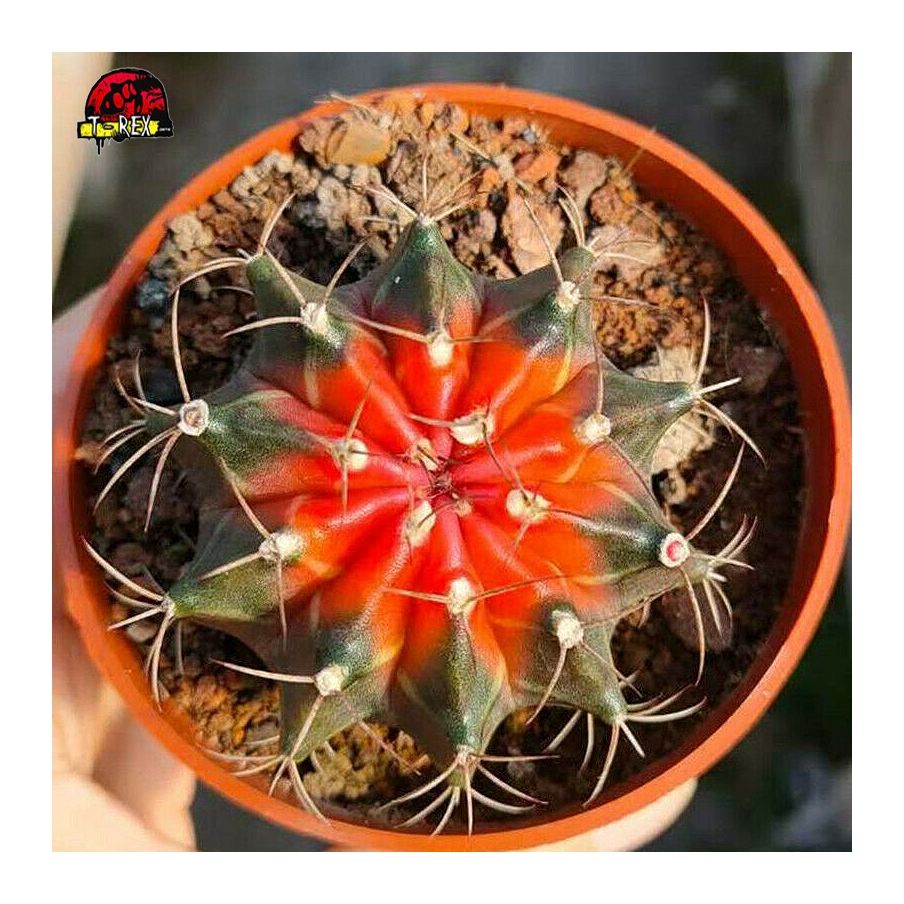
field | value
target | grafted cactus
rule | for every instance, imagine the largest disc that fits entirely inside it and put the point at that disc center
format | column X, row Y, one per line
column 427, row 501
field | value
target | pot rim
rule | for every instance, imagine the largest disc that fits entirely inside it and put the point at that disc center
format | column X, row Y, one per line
column 818, row 371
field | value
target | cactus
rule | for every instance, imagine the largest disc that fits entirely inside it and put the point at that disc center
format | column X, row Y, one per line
column 428, row 501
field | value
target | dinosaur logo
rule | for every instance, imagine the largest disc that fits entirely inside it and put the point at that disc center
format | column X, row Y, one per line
column 126, row 103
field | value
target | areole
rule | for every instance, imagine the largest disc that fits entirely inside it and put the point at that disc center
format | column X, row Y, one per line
column 769, row 272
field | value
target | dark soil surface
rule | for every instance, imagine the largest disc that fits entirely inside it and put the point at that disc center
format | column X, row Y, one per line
column 667, row 271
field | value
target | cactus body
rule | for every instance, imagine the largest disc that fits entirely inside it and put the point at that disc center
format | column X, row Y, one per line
column 428, row 502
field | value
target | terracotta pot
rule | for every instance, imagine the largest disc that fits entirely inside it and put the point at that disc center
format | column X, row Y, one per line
column 767, row 269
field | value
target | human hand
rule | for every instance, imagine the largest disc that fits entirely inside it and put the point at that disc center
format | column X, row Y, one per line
column 636, row 830
column 114, row 787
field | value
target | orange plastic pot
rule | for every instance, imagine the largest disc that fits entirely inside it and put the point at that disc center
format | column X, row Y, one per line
column 769, row 271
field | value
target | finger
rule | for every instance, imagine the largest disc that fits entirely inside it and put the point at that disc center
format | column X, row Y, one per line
column 67, row 331
column 632, row 831
column 134, row 768
column 82, row 704
column 87, row 818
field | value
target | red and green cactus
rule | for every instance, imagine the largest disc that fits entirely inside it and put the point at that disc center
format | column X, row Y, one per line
column 428, row 502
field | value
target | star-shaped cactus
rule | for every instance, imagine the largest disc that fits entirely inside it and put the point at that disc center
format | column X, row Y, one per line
column 427, row 500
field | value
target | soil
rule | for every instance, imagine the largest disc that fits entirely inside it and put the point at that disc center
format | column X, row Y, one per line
column 667, row 271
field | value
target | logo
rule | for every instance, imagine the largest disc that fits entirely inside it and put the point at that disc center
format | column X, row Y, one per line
column 126, row 103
